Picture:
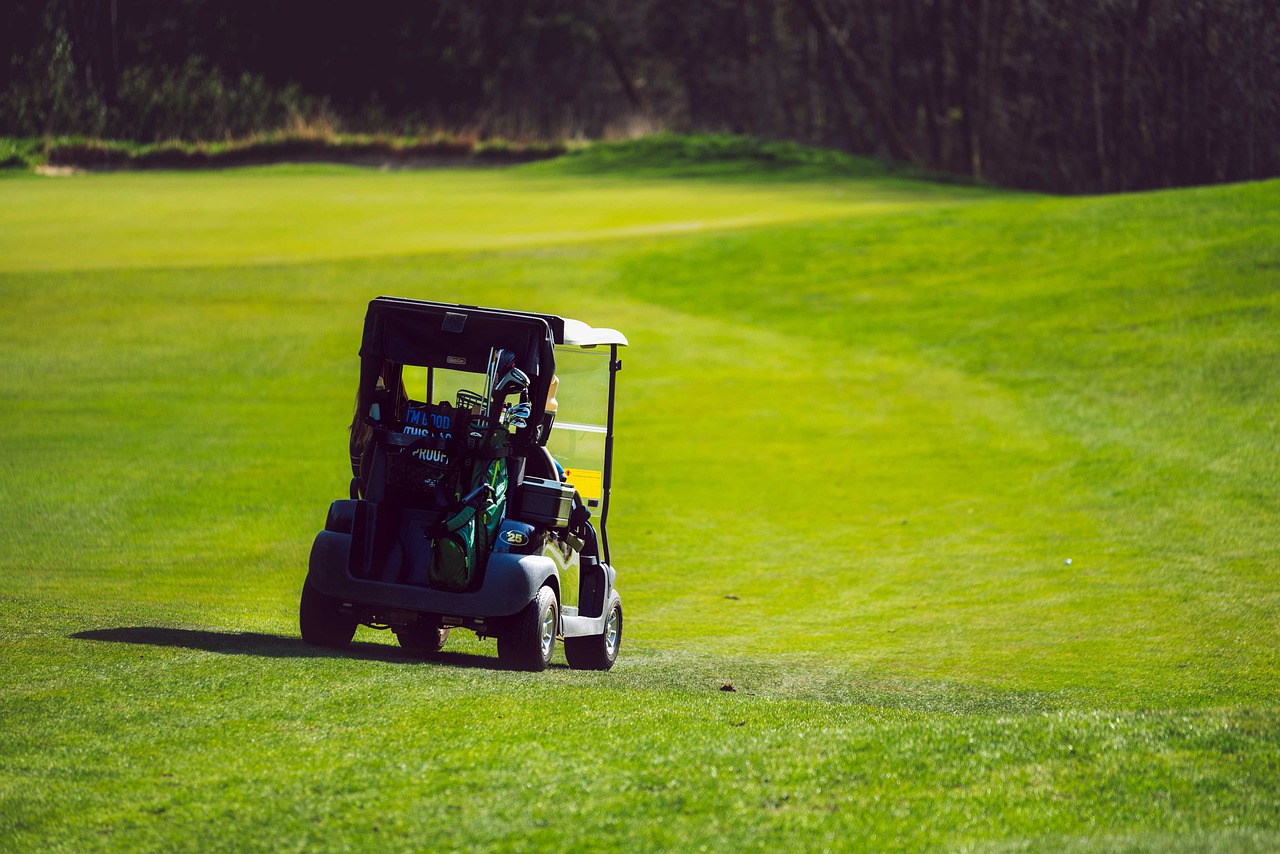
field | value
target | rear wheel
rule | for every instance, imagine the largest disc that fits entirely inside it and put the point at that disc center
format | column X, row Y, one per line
column 320, row 621
column 597, row 652
column 530, row 637
column 421, row 641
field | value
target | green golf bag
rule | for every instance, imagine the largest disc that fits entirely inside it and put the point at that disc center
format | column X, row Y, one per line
column 449, row 476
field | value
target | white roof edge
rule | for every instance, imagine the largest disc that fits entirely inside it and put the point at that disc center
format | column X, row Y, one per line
column 579, row 334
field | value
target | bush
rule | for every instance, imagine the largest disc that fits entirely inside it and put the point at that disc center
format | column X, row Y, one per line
column 19, row 153
column 199, row 102
column 308, row 146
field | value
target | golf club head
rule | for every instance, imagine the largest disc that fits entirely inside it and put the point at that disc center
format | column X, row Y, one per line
column 517, row 416
column 511, row 382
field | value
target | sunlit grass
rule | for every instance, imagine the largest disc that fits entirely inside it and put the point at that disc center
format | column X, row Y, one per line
column 290, row 214
column 863, row 427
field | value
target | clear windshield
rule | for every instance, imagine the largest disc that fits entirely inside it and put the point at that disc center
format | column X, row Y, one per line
column 578, row 439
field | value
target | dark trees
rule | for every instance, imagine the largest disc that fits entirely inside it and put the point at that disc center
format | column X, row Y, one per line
column 1084, row 96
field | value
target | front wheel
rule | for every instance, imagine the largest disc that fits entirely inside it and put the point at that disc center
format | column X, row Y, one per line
column 530, row 637
column 320, row 621
column 597, row 652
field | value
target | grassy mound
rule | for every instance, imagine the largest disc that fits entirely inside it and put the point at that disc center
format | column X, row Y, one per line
column 969, row 497
column 675, row 151
column 723, row 155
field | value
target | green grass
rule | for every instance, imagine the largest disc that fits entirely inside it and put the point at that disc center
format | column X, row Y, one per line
column 864, row 422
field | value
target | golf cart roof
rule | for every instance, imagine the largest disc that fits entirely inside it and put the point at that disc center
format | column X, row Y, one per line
column 578, row 334
column 564, row 330
column 442, row 335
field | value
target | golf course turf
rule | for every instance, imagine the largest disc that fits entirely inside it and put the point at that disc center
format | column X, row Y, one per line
column 943, row 517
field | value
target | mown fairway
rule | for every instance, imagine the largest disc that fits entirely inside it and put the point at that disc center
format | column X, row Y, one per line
column 971, row 497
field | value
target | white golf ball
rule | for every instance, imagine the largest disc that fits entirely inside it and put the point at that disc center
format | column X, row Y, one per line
column 1068, row 561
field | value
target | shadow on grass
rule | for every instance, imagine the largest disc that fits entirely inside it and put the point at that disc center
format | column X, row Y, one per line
column 274, row 646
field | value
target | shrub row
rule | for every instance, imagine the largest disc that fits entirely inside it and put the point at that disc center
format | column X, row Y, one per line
column 98, row 154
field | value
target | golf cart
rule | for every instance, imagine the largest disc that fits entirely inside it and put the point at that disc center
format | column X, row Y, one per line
column 486, row 509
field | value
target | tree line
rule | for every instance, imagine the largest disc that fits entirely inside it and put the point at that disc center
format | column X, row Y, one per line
column 1092, row 95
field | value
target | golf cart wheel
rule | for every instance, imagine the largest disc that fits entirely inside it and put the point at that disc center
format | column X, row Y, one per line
column 530, row 637
column 422, row 642
column 597, row 652
column 321, row 622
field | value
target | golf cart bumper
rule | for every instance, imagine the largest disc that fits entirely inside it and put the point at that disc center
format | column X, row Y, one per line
column 511, row 581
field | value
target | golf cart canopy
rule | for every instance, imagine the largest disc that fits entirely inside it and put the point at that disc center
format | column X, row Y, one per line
column 429, row 334
column 578, row 334
column 438, row 335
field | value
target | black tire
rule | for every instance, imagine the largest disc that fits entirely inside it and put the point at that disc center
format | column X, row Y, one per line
column 422, row 642
column 321, row 622
column 597, row 652
column 529, row 638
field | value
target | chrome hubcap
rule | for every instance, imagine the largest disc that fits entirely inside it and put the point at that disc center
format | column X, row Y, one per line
column 548, row 631
column 611, row 633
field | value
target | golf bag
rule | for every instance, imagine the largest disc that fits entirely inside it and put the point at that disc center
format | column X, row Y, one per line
column 446, row 479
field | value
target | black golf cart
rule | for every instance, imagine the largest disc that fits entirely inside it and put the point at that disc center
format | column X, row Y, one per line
column 486, row 508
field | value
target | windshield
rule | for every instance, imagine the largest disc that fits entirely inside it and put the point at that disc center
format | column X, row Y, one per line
column 582, row 418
